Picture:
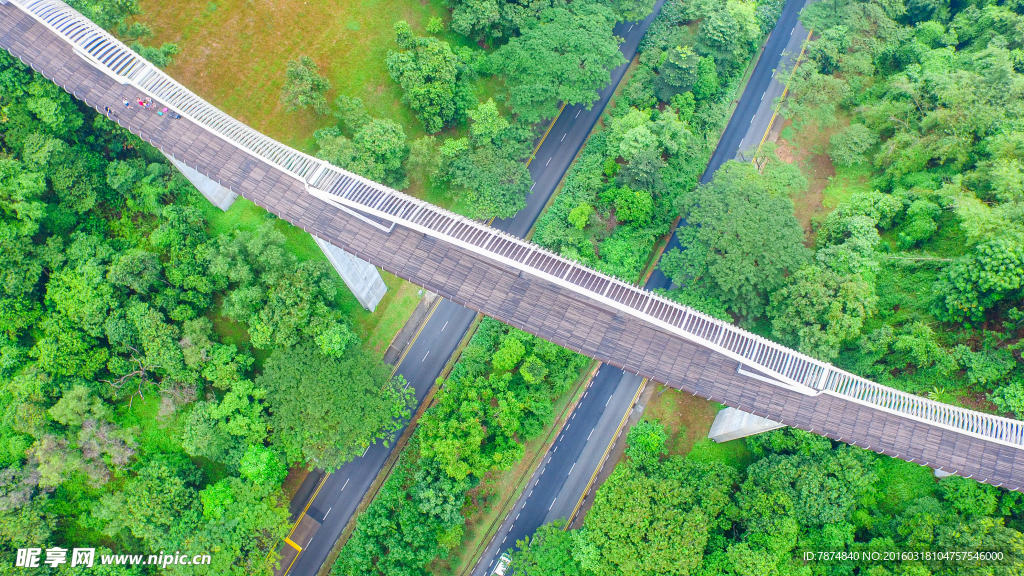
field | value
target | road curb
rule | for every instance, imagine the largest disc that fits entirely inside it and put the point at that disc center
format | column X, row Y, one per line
column 396, row 451
column 528, row 475
column 612, row 452
column 406, row 335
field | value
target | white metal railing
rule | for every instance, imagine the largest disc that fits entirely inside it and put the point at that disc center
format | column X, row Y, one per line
column 786, row 367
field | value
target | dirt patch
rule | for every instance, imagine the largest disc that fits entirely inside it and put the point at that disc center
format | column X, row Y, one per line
column 785, row 151
column 687, row 418
column 293, row 481
column 979, row 401
column 807, row 149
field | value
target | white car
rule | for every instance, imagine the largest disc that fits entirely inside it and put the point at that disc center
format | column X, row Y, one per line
column 502, row 566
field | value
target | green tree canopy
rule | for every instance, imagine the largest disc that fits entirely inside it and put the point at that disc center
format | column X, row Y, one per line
column 281, row 299
column 549, row 552
column 486, row 171
column 433, row 78
column 817, row 310
column 371, row 147
column 646, row 443
column 748, row 238
column 224, row 430
column 484, row 413
column 564, row 56
column 483, row 19
column 159, row 504
column 655, row 524
column 632, row 10
column 244, row 522
column 847, row 147
column 304, row 86
column 728, row 33
column 108, row 298
column 415, row 518
column 324, row 410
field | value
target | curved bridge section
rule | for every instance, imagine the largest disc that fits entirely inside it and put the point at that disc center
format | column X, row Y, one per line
column 505, row 277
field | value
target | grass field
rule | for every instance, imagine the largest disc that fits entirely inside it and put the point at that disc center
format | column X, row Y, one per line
column 687, row 420
column 234, row 54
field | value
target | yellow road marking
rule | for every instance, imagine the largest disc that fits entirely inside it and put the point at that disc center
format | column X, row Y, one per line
column 544, row 137
column 287, row 539
column 784, row 92
column 289, row 569
column 308, row 504
column 643, row 384
column 414, row 337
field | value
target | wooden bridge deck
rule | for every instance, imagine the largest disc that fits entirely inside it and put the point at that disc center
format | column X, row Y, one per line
column 533, row 304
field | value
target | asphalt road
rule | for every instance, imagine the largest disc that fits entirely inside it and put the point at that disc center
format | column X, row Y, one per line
column 559, row 483
column 340, row 494
column 753, row 110
column 759, row 127
column 569, row 133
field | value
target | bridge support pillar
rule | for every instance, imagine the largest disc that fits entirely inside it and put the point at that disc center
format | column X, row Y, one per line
column 731, row 424
column 218, row 195
column 361, row 277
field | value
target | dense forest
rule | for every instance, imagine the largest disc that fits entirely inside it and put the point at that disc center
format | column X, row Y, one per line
column 497, row 397
column 803, row 493
column 915, row 279
column 620, row 196
column 155, row 379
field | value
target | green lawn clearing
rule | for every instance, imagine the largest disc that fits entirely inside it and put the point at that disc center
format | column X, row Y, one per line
column 234, row 54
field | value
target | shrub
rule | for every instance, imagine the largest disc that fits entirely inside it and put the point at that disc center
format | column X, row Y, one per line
column 847, row 147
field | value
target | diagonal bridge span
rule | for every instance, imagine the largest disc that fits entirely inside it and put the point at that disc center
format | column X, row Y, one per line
column 505, row 277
